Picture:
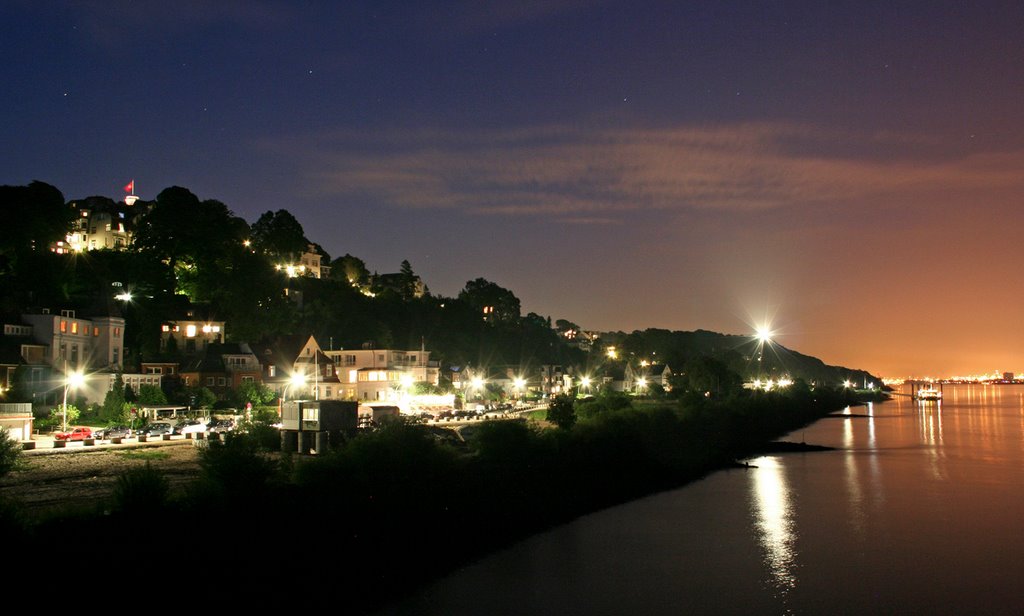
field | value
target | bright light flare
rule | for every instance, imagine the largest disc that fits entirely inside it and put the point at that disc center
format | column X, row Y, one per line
column 406, row 381
column 585, row 381
column 477, row 382
column 519, row 382
column 75, row 379
column 124, row 297
column 298, row 379
column 763, row 334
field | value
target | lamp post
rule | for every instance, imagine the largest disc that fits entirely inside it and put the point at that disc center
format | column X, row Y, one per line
column 73, row 379
column 518, row 384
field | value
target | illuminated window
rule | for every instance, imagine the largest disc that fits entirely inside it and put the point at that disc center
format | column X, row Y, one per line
column 271, row 371
column 117, row 332
column 352, row 376
column 310, row 413
column 190, row 331
column 63, row 327
column 95, row 331
column 166, row 328
column 207, row 329
column 216, row 329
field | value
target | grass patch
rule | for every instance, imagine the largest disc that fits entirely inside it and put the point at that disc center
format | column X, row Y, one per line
column 539, row 415
column 144, row 455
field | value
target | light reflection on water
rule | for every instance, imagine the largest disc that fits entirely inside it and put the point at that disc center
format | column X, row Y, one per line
column 774, row 514
column 919, row 511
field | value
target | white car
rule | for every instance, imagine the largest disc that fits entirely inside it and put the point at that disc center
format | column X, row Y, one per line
column 192, row 428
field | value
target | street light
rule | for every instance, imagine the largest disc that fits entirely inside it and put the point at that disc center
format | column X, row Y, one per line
column 297, row 379
column 641, row 384
column 74, row 380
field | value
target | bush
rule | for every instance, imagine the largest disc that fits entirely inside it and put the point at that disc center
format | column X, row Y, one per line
column 10, row 450
column 561, row 411
column 57, row 415
column 141, row 490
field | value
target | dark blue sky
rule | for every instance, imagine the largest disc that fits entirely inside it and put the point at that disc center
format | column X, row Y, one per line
column 852, row 168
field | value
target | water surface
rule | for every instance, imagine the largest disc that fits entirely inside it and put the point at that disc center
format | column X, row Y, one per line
column 920, row 510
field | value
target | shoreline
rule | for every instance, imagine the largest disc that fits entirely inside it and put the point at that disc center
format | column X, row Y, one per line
column 430, row 510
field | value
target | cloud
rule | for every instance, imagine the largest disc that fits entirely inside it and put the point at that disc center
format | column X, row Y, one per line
column 581, row 174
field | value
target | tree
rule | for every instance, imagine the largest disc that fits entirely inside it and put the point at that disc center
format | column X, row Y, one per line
column 490, row 300
column 279, row 235
column 187, row 232
column 351, row 270
column 10, row 450
column 42, row 220
column 254, row 393
column 114, row 401
column 707, row 374
column 151, row 394
column 408, row 281
column 562, row 411
column 201, row 397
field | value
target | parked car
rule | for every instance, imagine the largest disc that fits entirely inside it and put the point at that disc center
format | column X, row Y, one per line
column 191, row 426
column 75, row 434
column 156, row 429
column 222, row 425
column 113, row 432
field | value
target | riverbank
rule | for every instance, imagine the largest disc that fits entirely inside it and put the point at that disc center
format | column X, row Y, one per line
column 392, row 510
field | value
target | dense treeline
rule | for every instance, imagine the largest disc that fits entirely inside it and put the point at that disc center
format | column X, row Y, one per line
column 389, row 509
column 190, row 253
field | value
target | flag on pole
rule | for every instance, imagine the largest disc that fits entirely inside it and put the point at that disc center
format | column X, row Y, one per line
column 130, row 187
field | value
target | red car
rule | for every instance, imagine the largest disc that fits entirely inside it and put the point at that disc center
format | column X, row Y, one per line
column 76, row 434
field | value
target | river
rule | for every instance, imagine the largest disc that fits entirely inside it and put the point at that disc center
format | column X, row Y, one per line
column 919, row 510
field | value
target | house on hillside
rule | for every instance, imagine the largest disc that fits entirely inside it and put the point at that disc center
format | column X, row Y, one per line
column 222, row 368
column 651, row 374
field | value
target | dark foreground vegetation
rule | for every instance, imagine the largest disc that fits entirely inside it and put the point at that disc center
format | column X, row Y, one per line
column 390, row 510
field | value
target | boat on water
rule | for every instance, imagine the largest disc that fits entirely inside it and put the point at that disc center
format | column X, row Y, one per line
column 928, row 395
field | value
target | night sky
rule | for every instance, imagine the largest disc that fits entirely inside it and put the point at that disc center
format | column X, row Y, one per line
column 852, row 170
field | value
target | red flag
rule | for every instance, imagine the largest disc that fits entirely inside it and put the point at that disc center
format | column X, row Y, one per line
column 130, row 187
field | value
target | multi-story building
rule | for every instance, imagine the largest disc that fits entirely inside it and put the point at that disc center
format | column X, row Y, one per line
column 651, row 374
column 222, row 368
column 310, row 261
column 191, row 336
column 100, row 224
column 376, row 374
column 95, row 343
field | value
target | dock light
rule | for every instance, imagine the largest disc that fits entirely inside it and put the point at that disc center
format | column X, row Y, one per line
column 124, row 297
column 477, row 382
column 763, row 334
column 585, row 382
column 847, row 384
column 519, row 382
column 641, row 382
column 406, row 381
